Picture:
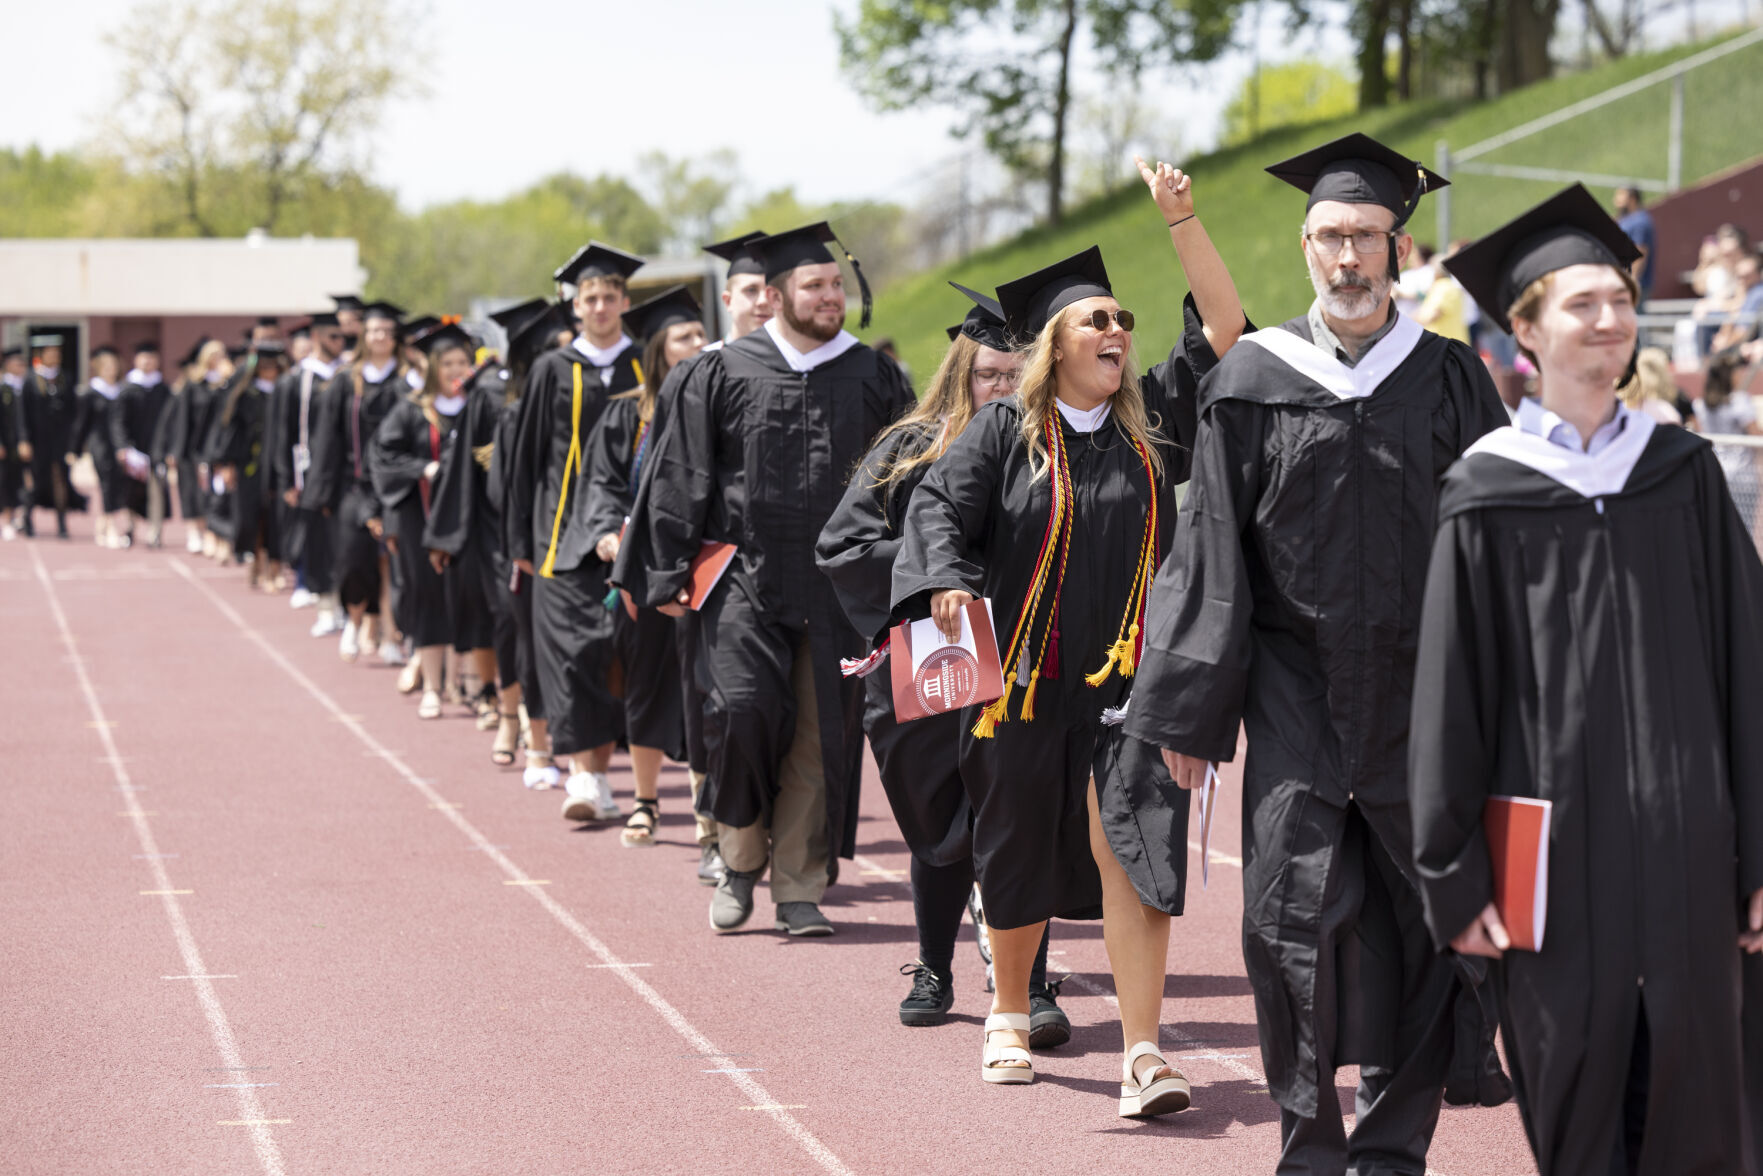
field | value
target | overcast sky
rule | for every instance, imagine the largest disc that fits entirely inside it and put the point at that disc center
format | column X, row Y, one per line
column 761, row 78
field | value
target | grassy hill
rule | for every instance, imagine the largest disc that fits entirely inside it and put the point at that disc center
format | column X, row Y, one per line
column 1255, row 219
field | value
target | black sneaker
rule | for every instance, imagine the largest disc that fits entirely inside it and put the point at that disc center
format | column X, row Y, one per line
column 1048, row 1026
column 710, row 865
column 802, row 919
column 932, row 995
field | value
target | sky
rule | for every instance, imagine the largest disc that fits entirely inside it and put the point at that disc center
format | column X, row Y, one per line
column 762, row 78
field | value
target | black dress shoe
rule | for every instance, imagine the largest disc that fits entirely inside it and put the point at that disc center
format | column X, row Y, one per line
column 931, row 998
column 1048, row 1026
column 802, row 919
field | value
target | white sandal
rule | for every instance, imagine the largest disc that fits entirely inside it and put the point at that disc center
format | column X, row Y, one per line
column 1162, row 1096
column 431, row 706
column 993, row 1065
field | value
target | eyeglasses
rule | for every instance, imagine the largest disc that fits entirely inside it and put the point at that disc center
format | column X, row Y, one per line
column 995, row 376
column 1368, row 241
column 1099, row 319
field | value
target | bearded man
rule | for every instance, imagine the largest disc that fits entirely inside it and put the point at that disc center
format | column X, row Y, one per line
column 764, row 433
column 1290, row 604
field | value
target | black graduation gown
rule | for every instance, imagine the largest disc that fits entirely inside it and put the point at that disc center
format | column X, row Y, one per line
column 11, row 465
column 402, row 448
column 1290, row 605
column 134, row 423
column 461, row 495
column 238, row 442
column 757, row 455
column 515, row 661
column 977, row 522
column 572, row 629
column 46, row 421
column 1602, row 647
column 340, row 483
column 183, row 432
column 92, row 433
column 303, row 532
column 647, row 647
column 919, row 761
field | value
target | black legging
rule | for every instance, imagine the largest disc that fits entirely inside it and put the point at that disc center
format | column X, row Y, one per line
column 939, row 898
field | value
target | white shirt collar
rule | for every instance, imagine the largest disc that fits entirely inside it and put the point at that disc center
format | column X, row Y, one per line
column 413, row 378
column 1588, row 475
column 449, row 405
column 807, row 361
column 1082, row 421
column 318, row 367
column 48, row 373
column 264, row 384
column 376, row 374
column 105, row 389
column 1538, row 421
column 602, row 356
column 144, row 379
column 16, row 383
column 213, row 378
column 1320, row 367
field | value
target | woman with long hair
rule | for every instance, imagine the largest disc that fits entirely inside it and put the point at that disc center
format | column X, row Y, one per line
column 188, row 422
column 92, row 434
column 1057, row 505
column 918, row 761
column 645, row 640
column 235, row 452
column 406, row 459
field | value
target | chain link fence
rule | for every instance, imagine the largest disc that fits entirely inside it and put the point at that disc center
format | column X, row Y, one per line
column 1742, row 459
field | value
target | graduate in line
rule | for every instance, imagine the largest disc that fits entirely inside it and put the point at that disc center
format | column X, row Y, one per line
column 758, row 447
column 1290, row 605
column 12, row 465
column 566, row 392
column 1591, row 636
column 133, row 427
column 46, row 417
column 303, row 532
column 405, row 461
column 236, row 455
column 672, row 324
column 92, row 434
column 188, row 420
column 919, row 761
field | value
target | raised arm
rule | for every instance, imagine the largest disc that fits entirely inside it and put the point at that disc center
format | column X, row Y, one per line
column 1214, row 291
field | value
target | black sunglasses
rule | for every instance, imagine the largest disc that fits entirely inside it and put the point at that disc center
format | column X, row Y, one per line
column 1099, row 319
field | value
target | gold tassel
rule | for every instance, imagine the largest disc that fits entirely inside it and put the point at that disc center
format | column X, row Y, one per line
column 996, row 713
column 1027, row 713
column 1128, row 651
column 1101, row 675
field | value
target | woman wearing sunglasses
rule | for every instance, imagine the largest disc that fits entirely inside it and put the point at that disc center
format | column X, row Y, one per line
column 1057, row 505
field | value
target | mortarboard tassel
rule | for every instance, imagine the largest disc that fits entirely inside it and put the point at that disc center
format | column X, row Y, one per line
column 868, row 301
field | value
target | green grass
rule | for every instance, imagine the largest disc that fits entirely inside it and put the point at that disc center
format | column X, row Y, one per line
column 1254, row 219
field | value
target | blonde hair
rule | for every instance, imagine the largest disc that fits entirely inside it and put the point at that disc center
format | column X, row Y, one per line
column 205, row 357
column 1039, row 389
column 947, row 404
column 1652, row 379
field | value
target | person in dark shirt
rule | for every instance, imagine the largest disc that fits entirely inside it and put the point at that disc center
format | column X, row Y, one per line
column 1637, row 224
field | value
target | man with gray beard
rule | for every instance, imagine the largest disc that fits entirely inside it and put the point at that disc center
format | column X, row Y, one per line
column 1290, row 605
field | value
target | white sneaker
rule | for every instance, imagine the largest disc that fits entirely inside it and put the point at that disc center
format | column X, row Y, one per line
column 302, row 599
column 590, row 798
column 349, row 648
column 391, row 653
column 7, row 533
column 193, row 543
column 325, row 624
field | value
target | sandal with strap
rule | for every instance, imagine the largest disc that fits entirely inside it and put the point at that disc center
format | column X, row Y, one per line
column 507, row 740
column 1142, row 1098
column 639, row 831
column 997, row 1063
column 488, row 712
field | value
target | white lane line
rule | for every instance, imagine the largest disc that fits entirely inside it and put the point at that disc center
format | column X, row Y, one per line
column 269, row 1156
column 675, row 1020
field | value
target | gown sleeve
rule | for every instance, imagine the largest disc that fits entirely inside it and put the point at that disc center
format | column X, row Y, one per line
column 1472, row 398
column 330, row 443
column 610, row 453
column 1735, row 581
column 398, row 461
column 85, row 413
column 857, row 546
column 1454, row 717
column 1172, row 388
column 948, row 515
column 673, row 502
column 526, row 468
column 451, row 507
column 1193, row 678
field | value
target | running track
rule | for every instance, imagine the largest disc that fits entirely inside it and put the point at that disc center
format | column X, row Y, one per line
column 260, row 919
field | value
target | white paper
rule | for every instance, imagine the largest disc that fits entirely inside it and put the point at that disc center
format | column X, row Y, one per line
column 1208, row 805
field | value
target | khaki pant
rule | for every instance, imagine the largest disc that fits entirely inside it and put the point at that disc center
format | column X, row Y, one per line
column 706, row 825
column 797, row 837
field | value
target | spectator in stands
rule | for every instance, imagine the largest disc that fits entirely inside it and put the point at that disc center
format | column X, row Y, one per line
column 1653, row 391
column 1742, row 325
column 1714, row 278
column 1443, row 310
column 1415, row 281
column 1637, row 223
column 1726, row 410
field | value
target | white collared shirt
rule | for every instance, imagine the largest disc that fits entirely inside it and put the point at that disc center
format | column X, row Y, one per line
column 16, row 383
column 318, row 367
column 144, row 379
column 1538, row 421
column 264, row 384
column 603, row 356
column 1082, row 421
column 376, row 374
column 807, row 361
column 105, row 389
column 449, row 405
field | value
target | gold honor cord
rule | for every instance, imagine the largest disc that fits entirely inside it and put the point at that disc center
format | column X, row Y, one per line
column 549, row 567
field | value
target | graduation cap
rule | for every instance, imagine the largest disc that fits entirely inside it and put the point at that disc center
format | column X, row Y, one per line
column 419, row 325
column 1357, row 169
column 102, row 350
column 782, row 252
column 11, row 352
column 512, row 318
column 984, row 324
column 1029, row 303
column 673, row 305
column 304, row 330
column 531, row 334
column 147, row 347
column 1569, row 228
column 383, row 310
column 326, row 318
column 447, row 334
column 45, row 340
column 268, row 320
column 195, row 351
column 738, row 252
column 595, row 260
column 270, row 349
column 237, row 353
column 348, row 301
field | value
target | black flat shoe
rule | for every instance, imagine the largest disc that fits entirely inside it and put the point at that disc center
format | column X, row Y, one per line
column 931, row 998
column 1048, row 1026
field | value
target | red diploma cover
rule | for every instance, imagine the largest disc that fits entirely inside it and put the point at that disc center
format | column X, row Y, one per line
column 1517, row 829
column 932, row 674
column 706, row 571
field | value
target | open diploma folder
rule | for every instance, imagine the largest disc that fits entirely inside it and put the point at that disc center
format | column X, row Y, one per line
column 932, row 674
column 1517, row 830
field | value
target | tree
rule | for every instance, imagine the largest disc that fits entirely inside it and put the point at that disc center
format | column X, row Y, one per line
column 238, row 106
column 1007, row 64
column 691, row 196
column 1289, row 94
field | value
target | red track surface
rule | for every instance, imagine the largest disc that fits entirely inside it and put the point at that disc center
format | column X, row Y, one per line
column 419, row 968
